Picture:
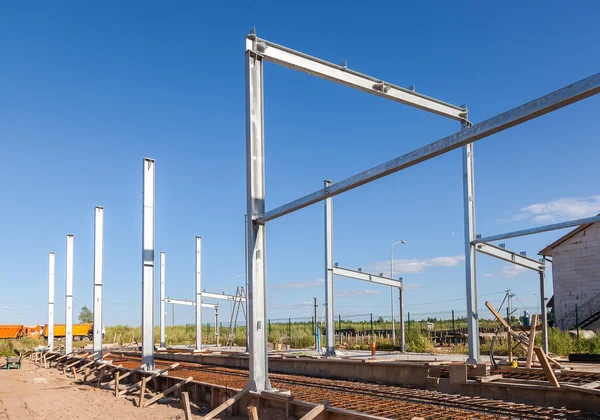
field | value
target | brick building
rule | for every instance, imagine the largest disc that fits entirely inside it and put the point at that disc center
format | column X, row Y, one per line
column 576, row 277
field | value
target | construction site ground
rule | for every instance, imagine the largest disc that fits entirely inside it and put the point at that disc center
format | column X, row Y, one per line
column 45, row 394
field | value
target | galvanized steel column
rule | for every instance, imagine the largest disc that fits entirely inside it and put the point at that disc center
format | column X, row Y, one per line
column 148, row 265
column 470, row 252
column 69, row 297
column 401, row 309
column 544, row 310
column 51, row 271
column 329, row 321
column 217, row 325
column 198, row 293
column 163, row 279
column 98, row 262
column 255, row 190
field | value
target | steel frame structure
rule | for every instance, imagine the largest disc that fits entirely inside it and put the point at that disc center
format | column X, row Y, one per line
column 98, row 265
column 51, row 279
column 184, row 302
column 259, row 50
column 69, row 297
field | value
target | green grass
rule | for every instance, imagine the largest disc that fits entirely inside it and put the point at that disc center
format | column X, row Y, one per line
column 8, row 347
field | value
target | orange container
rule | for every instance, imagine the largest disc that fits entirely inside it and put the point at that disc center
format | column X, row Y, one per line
column 11, row 331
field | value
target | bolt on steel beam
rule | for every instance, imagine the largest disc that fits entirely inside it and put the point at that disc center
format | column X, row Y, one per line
column 98, row 262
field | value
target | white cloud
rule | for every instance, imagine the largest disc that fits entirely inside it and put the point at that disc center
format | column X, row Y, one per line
column 7, row 307
column 558, row 209
column 306, row 304
column 303, row 285
column 510, row 271
column 489, row 275
column 353, row 293
column 415, row 266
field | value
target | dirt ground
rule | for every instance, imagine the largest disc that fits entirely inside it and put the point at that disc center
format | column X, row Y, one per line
column 46, row 394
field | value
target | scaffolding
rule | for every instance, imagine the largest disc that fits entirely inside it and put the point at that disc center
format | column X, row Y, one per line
column 260, row 50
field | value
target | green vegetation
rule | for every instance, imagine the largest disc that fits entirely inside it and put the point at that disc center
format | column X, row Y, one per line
column 85, row 315
column 8, row 347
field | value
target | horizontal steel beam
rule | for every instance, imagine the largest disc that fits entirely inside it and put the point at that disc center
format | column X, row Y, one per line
column 543, row 105
column 512, row 257
column 287, row 57
column 210, row 295
column 539, row 229
column 359, row 275
column 190, row 303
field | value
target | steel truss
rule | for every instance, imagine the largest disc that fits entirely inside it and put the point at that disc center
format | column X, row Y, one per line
column 259, row 50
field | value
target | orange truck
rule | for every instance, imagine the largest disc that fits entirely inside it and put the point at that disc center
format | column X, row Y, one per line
column 80, row 331
column 19, row 331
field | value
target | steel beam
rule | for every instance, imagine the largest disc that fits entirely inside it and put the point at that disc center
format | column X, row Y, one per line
column 509, row 256
column 190, row 303
column 69, row 297
column 287, row 57
column 539, row 229
column 329, row 317
column 470, row 253
column 371, row 278
column 538, row 107
column 198, row 293
column 51, row 278
column 544, row 310
column 148, row 265
column 255, row 191
column 211, row 295
column 98, row 271
column 163, row 286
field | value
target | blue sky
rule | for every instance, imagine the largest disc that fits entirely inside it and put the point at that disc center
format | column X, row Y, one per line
column 88, row 90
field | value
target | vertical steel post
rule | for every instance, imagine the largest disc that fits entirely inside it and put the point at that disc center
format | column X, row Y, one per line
column 217, row 332
column 255, row 191
column 98, row 272
column 163, row 289
column 340, row 328
column 315, row 323
column 198, row 293
column 246, row 277
column 470, row 251
column 544, row 309
column 69, row 297
column 329, row 317
column 392, row 295
column 148, row 265
column 453, row 329
column 401, row 309
column 51, row 271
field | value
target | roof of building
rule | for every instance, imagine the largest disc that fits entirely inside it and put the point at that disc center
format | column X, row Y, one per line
column 547, row 252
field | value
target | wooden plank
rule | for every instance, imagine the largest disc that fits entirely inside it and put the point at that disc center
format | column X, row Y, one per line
column 315, row 411
column 252, row 413
column 74, row 373
column 497, row 315
column 226, row 404
column 142, row 391
column 187, row 410
column 117, row 379
column 546, row 366
column 167, row 392
column 531, row 341
column 154, row 375
column 486, row 379
column 137, row 369
column 86, row 365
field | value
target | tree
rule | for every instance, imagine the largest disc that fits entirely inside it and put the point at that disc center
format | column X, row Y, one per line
column 85, row 315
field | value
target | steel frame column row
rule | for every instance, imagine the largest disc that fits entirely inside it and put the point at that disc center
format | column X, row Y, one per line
column 98, row 266
column 69, row 297
column 148, row 264
column 51, row 278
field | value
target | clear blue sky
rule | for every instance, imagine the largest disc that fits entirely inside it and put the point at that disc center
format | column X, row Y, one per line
column 88, row 89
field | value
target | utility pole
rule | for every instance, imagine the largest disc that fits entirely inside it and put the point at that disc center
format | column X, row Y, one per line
column 508, row 316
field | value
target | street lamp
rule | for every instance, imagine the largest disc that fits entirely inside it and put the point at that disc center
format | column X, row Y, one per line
column 401, row 241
